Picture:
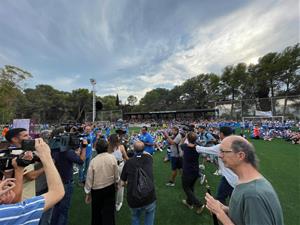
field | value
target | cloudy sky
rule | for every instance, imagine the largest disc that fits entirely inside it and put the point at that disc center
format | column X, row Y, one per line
column 133, row 46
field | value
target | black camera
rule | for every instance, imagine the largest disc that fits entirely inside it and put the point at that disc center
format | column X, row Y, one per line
column 28, row 145
column 7, row 154
column 66, row 141
column 187, row 127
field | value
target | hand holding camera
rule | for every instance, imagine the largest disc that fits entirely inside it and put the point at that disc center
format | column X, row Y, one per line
column 42, row 149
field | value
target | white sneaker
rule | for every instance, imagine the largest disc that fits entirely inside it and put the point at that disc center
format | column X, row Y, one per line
column 201, row 167
column 218, row 173
column 202, row 179
column 170, row 184
column 119, row 206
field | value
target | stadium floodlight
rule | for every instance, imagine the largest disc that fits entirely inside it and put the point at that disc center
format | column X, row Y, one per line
column 93, row 83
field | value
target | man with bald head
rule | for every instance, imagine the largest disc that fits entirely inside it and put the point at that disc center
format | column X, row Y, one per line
column 253, row 200
column 147, row 204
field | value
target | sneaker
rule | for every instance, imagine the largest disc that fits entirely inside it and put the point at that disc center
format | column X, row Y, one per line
column 200, row 209
column 118, row 206
column 187, row 204
column 201, row 167
column 170, row 184
column 202, row 179
column 217, row 173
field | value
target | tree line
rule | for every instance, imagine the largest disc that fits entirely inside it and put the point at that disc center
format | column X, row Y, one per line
column 275, row 74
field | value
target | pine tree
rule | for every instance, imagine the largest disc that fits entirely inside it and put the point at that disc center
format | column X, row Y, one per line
column 117, row 100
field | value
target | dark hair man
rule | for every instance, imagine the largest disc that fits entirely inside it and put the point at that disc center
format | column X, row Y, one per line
column 147, row 139
column 147, row 204
column 253, row 200
column 15, row 137
column 176, row 154
column 205, row 138
column 30, row 210
column 64, row 164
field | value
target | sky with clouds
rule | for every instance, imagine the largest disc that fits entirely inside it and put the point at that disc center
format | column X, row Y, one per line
column 133, row 46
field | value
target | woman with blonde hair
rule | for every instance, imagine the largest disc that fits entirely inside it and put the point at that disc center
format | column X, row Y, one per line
column 118, row 150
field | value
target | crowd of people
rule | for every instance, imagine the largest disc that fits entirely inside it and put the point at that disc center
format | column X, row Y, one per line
column 40, row 192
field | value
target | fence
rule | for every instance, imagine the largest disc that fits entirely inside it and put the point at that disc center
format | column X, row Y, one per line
column 109, row 115
column 289, row 107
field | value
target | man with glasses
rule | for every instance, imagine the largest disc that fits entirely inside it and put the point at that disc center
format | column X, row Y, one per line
column 253, row 200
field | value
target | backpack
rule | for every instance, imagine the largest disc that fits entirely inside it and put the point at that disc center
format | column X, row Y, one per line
column 143, row 185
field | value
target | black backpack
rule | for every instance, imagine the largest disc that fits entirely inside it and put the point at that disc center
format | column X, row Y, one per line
column 143, row 185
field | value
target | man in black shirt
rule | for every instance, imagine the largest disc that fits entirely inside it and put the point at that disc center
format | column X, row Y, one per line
column 146, row 204
column 64, row 164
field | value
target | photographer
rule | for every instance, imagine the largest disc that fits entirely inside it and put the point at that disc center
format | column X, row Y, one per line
column 64, row 157
column 176, row 154
column 15, row 137
column 64, row 163
column 30, row 210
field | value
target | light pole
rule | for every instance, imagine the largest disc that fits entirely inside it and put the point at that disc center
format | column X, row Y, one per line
column 93, row 82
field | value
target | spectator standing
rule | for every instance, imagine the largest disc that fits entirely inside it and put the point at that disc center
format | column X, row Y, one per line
column 100, row 186
column 147, row 139
column 118, row 151
column 253, row 200
column 147, row 204
column 176, row 154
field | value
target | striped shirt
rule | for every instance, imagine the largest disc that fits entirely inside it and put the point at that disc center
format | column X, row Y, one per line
column 27, row 212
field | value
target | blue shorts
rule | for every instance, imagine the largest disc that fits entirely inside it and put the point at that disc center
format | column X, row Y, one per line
column 176, row 163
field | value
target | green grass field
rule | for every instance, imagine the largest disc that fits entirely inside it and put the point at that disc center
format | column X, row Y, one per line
column 279, row 163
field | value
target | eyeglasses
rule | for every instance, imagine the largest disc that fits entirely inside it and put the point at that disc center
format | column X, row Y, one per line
column 225, row 151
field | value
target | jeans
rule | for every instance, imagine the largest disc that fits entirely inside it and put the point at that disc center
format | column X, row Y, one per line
column 224, row 190
column 149, row 214
column 188, row 183
column 83, row 170
column 61, row 209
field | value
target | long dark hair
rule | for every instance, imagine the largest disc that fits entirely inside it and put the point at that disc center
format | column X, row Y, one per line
column 114, row 142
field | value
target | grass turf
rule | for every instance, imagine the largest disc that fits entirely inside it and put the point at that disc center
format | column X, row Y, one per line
column 279, row 163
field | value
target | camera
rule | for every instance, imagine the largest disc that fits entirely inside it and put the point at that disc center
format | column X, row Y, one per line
column 66, row 141
column 7, row 154
column 187, row 127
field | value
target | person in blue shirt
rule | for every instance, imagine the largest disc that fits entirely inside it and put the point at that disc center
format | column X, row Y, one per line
column 91, row 138
column 147, row 139
column 107, row 131
column 205, row 138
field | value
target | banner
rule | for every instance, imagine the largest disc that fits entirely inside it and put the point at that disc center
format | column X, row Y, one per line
column 263, row 113
column 26, row 124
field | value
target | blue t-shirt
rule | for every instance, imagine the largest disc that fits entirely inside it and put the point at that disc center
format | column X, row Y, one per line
column 146, row 138
column 89, row 148
column 26, row 212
